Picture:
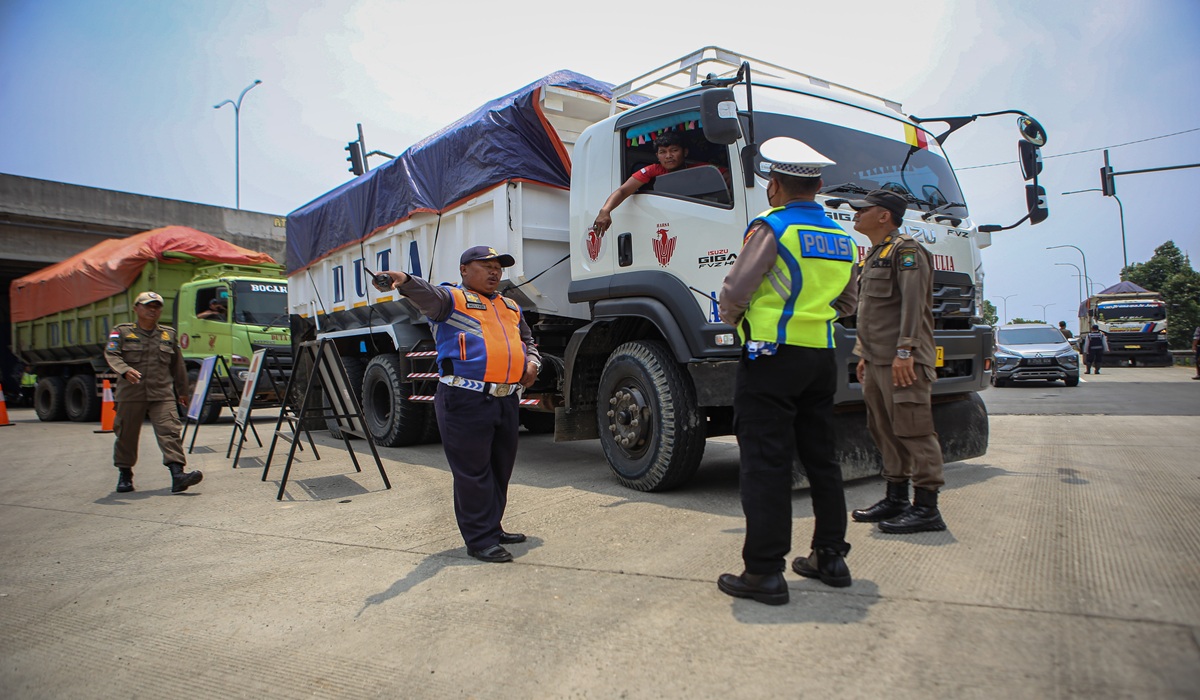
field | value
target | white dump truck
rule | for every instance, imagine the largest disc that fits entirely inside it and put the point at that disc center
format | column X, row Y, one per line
column 1135, row 321
column 627, row 321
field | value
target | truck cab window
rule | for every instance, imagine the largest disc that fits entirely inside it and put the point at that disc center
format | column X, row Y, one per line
column 703, row 176
column 212, row 304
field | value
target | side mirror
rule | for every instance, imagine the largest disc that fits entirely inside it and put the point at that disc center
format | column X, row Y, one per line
column 1035, row 199
column 719, row 116
column 1031, row 159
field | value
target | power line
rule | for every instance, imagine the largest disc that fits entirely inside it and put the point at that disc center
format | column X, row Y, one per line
column 1086, row 150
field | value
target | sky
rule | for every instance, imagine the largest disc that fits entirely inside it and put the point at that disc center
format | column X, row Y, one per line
column 120, row 95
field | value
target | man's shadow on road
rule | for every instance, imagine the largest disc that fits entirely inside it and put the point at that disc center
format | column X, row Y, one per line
column 811, row 603
column 430, row 567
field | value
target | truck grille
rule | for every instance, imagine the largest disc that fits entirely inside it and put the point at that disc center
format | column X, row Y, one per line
column 953, row 294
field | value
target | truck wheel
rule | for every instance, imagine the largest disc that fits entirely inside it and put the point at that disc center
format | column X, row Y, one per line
column 650, row 426
column 80, row 401
column 537, row 422
column 211, row 411
column 49, row 398
column 356, row 369
column 393, row 420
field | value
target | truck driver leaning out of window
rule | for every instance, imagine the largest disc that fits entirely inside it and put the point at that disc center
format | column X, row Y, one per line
column 216, row 310
column 672, row 156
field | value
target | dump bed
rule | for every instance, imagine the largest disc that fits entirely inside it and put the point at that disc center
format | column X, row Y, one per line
column 497, row 177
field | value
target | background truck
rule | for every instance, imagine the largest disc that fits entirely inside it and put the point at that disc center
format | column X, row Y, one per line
column 635, row 353
column 1135, row 321
column 62, row 314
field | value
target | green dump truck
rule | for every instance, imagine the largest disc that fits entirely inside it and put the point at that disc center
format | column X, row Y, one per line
column 62, row 315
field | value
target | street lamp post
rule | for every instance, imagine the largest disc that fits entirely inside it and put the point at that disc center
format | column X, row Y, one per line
column 237, row 146
column 1043, row 307
column 1005, row 298
column 1085, row 274
column 1121, row 209
column 1078, row 278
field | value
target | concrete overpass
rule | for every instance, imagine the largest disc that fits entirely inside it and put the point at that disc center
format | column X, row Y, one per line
column 44, row 222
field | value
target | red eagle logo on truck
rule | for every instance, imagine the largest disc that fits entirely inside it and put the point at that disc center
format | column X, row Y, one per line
column 594, row 242
column 664, row 247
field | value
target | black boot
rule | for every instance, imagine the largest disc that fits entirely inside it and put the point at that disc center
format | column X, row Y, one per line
column 826, row 564
column 770, row 589
column 895, row 503
column 125, row 480
column 923, row 516
column 181, row 480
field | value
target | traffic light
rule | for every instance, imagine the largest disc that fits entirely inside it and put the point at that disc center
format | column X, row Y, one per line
column 1108, row 184
column 354, row 148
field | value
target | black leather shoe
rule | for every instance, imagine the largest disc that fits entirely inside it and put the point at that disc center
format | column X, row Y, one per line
column 827, row 565
column 125, row 481
column 765, row 588
column 492, row 555
column 511, row 537
column 893, row 504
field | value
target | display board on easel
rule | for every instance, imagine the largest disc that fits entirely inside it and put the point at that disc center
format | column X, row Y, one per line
column 324, row 376
column 262, row 379
column 213, row 370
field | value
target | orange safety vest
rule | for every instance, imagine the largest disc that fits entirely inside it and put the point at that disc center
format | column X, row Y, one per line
column 481, row 338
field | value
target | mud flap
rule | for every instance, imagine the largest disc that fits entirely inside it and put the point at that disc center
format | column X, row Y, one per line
column 961, row 421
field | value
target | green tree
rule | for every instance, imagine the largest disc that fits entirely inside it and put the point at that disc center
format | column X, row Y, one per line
column 989, row 313
column 1169, row 272
column 1025, row 320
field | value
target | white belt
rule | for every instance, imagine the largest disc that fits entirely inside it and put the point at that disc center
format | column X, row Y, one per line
column 500, row 390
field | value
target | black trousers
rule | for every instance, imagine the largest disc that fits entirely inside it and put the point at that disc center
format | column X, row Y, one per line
column 783, row 408
column 479, row 435
column 1094, row 358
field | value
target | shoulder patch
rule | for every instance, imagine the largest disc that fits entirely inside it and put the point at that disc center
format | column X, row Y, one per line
column 511, row 304
column 908, row 259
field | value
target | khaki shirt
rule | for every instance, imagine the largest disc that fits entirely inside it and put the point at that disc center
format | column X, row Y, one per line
column 155, row 354
column 895, row 302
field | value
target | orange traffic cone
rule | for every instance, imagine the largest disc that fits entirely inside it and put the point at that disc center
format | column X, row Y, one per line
column 4, row 411
column 108, row 410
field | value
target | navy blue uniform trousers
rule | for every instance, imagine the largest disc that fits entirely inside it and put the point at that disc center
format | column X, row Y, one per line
column 783, row 407
column 479, row 434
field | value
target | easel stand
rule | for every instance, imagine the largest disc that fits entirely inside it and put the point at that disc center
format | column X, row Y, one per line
column 269, row 364
column 325, row 376
column 220, row 375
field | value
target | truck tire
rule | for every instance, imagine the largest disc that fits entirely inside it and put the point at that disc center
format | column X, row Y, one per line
column 211, row 411
column 537, row 422
column 49, row 398
column 393, row 420
column 80, row 401
column 356, row 369
column 642, row 382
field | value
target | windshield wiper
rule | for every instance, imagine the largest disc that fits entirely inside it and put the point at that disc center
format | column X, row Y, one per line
column 937, row 211
column 849, row 187
column 277, row 317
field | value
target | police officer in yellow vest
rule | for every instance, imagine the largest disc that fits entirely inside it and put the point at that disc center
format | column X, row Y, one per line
column 793, row 278
column 151, row 379
column 485, row 356
column 28, row 385
column 895, row 342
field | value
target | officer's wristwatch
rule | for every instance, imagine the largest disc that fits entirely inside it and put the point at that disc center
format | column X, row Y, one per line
column 903, row 354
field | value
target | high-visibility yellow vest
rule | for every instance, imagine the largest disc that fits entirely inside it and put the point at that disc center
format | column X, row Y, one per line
column 794, row 303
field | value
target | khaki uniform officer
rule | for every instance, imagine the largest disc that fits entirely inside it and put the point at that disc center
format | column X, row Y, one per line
column 152, row 378
column 896, row 369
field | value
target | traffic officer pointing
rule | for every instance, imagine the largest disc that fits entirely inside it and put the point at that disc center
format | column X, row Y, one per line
column 152, row 378
column 485, row 356
column 896, row 369
column 793, row 278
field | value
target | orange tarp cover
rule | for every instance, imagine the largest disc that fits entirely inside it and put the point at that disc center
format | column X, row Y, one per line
column 111, row 266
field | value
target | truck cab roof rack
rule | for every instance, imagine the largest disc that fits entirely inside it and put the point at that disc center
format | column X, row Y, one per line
column 689, row 70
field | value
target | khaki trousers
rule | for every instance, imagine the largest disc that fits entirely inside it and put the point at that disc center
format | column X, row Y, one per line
column 901, row 422
column 127, row 425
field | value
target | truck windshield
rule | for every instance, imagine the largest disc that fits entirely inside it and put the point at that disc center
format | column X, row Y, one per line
column 1131, row 312
column 870, row 150
column 261, row 303
column 1029, row 336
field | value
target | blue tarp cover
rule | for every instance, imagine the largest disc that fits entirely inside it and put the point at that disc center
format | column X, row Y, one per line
column 505, row 139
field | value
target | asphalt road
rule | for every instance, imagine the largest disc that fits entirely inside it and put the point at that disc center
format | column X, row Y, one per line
column 1116, row 391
